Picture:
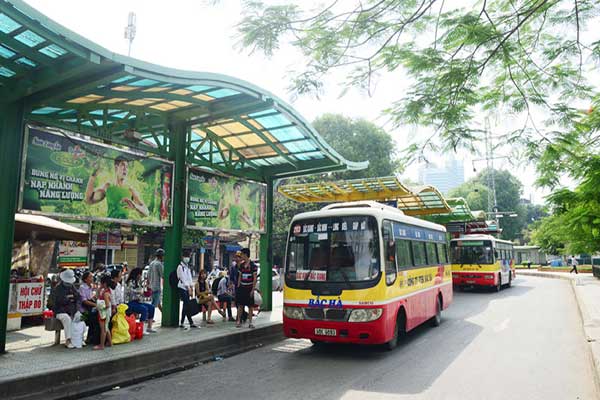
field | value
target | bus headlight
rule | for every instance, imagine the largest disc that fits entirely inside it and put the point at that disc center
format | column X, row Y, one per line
column 293, row 312
column 365, row 314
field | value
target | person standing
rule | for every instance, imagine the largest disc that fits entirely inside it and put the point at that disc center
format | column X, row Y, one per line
column 117, row 293
column 574, row 265
column 245, row 287
column 185, row 287
column 66, row 300
column 156, row 273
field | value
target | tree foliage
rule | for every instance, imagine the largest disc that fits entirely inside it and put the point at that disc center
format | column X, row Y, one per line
column 529, row 57
column 356, row 140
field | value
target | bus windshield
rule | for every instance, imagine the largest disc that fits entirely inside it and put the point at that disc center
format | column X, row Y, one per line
column 333, row 249
column 472, row 252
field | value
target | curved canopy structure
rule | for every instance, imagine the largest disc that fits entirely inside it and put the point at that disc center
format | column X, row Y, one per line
column 422, row 200
column 232, row 126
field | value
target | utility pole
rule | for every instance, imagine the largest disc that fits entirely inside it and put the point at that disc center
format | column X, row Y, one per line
column 489, row 156
column 130, row 30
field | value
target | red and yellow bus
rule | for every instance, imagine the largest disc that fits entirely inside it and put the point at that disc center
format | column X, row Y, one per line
column 363, row 272
column 482, row 260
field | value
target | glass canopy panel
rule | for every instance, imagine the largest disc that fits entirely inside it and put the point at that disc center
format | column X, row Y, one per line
column 53, row 51
column 5, row 52
column 30, row 38
column 7, row 72
column 286, row 134
column 7, row 24
column 220, row 93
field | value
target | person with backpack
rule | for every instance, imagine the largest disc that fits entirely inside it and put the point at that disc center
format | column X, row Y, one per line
column 185, row 288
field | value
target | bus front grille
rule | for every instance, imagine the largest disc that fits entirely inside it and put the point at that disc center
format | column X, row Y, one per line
column 327, row 314
column 314, row 313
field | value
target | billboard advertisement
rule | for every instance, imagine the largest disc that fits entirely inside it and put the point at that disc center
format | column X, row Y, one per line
column 216, row 202
column 67, row 176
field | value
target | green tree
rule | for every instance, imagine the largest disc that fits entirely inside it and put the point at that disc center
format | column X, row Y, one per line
column 508, row 199
column 530, row 57
column 355, row 139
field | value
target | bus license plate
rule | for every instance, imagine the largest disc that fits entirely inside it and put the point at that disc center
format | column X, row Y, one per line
column 470, row 281
column 325, row 332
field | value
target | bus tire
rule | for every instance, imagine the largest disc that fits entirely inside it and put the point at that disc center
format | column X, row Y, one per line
column 499, row 286
column 509, row 280
column 437, row 318
column 399, row 328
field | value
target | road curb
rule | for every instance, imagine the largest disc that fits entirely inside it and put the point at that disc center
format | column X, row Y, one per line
column 590, row 328
column 74, row 383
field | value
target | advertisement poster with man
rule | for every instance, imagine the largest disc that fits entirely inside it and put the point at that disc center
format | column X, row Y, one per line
column 68, row 176
column 224, row 203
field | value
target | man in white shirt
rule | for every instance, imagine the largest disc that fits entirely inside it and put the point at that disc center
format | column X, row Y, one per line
column 574, row 265
column 185, row 287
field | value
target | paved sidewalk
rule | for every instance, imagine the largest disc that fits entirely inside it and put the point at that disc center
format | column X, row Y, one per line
column 31, row 356
column 587, row 292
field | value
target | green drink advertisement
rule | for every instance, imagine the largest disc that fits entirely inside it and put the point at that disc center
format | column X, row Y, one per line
column 216, row 202
column 67, row 176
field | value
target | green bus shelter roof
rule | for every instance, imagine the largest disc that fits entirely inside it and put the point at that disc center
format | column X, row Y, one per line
column 460, row 212
column 66, row 81
column 421, row 200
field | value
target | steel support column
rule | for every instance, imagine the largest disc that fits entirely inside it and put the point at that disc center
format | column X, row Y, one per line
column 11, row 146
column 266, row 252
column 174, row 236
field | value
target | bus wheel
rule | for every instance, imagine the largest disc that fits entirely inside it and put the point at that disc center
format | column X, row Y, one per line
column 509, row 280
column 437, row 318
column 499, row 287
column 392, row 344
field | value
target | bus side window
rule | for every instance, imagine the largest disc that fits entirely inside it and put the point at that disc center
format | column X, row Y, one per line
column 442, row 255
column 432, row 258
column 389, row 253
column 403, row 255
column 418, row 249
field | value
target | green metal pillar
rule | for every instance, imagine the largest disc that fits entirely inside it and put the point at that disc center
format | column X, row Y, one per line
column 11, row 147
column 266, row 252
column 173, row 239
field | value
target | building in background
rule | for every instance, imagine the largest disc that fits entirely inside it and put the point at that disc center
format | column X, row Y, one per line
column 445, row 177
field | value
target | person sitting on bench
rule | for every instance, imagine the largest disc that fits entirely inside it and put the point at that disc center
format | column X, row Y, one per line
column 66, row 301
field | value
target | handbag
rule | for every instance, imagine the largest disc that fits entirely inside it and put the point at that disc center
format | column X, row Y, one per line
column 257, row 298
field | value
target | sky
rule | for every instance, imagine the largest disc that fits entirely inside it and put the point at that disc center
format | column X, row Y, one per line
column 201, row 36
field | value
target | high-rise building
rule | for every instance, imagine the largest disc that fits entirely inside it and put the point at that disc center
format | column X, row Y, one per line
column 446, row 177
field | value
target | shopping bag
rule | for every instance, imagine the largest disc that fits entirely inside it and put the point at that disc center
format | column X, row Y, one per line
column 132, row 324
column 139, row 330
column 120, row 326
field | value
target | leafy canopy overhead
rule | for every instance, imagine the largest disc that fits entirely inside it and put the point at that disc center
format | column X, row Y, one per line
column 462, row 59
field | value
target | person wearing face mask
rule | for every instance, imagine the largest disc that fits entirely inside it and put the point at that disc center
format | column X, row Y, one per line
column 185, row 287
column 66, row 301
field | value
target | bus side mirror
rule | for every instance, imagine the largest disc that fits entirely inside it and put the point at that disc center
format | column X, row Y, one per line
column 496, row 254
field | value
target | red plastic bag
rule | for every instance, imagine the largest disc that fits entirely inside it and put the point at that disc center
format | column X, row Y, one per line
column 132, row 325
column 139, row 330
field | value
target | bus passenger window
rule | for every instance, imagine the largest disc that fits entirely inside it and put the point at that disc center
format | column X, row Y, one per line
column 403, row 254
column 418, row 249
column 443, row 256
column 431, row 253
column 389, row 253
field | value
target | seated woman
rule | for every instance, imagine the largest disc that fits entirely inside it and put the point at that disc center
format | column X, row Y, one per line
column 88, row 306
column 205, row 297
column 133, row 293
column 225, row 295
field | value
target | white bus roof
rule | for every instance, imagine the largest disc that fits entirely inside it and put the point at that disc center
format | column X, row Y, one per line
column 481, row 237
column 372, row 208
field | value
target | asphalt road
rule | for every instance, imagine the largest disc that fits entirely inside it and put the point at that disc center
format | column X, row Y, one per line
column 525, row 342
